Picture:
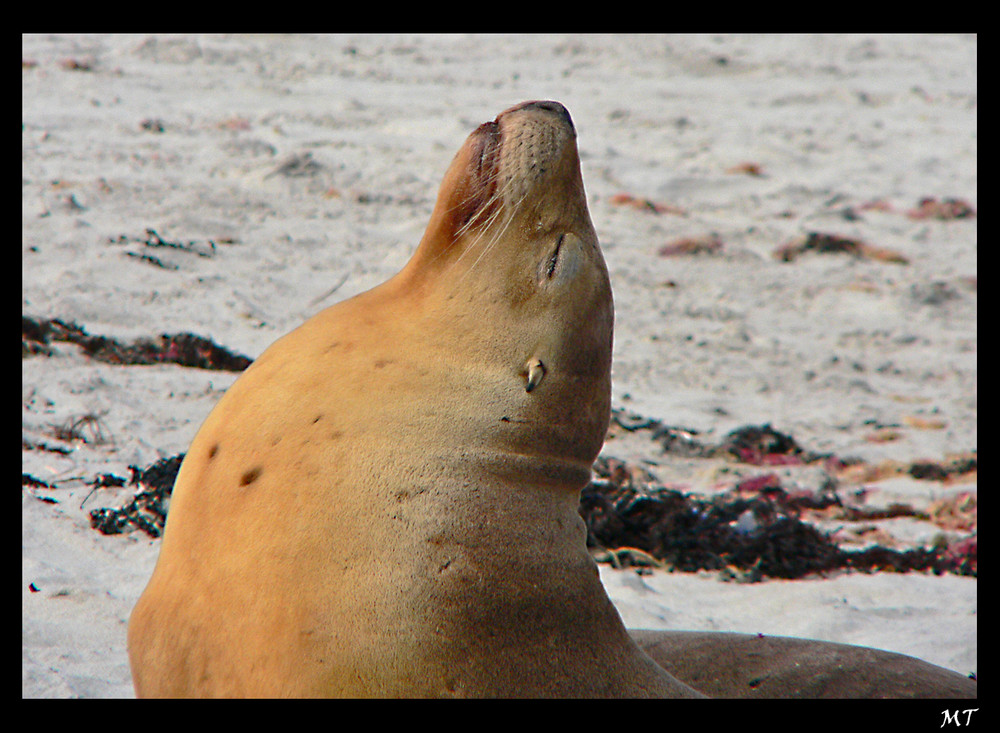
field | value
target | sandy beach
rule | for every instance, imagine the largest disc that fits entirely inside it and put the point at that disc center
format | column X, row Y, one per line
column 788, row 221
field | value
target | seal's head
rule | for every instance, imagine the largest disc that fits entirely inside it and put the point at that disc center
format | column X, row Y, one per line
column 516, row 180
column 512, row 255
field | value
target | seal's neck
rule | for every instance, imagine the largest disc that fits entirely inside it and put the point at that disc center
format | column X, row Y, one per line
column 506, row 589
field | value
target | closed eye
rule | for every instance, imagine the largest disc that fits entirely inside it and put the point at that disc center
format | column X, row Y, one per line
column 550, row 266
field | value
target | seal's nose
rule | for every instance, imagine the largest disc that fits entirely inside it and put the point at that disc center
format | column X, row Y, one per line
column 549, row 106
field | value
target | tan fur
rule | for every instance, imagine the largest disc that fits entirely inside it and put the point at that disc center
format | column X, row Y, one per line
column 385, row 502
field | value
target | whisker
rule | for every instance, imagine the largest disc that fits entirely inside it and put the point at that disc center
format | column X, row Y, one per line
column 474, row 219
column 485, row 223
column 496, row 238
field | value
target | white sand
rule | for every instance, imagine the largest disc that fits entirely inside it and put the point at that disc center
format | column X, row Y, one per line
column 825, row 348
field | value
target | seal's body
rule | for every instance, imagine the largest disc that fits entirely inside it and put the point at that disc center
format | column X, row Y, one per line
column 385, row 502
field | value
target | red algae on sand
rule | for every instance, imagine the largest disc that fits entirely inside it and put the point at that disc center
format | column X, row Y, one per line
column 944, row 209
column 708, row 244
column 644, row 204
column 823, row 243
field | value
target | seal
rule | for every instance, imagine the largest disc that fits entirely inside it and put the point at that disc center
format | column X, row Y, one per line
column 385, row 502
column 730, row 665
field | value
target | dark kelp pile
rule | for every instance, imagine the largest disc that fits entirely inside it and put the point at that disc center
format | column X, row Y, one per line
column 752, row 538
column 754, row 444
column 185, row 349
column 751, row 532
column 756, row 529
column 147, row 509
column 762, row 445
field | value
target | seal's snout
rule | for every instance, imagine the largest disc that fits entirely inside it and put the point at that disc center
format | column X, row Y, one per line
column 547, row 105
column 522, row 166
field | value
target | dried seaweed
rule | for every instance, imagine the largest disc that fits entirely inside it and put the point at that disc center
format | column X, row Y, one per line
column 28, row 480
column 147, row 510
column 152, row 238
column 185, row 349
column 944, row 209
column 750, row 533
column 823, row 243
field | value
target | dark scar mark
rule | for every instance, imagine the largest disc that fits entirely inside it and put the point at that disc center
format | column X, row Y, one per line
column 250, row 476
